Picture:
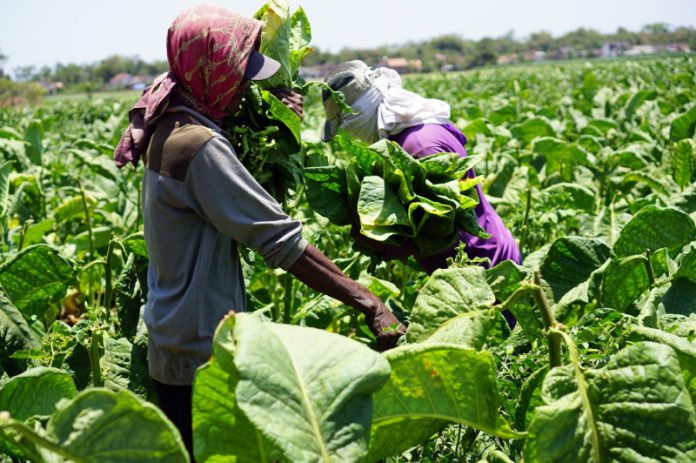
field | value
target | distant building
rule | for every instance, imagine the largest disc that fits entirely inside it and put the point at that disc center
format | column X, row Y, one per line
column 680, row 47
column 562, row 53
column 637, row 50
column 534, row 55
column 402, row 65
column 120, row 80
column 508, row 59
column 614, row 49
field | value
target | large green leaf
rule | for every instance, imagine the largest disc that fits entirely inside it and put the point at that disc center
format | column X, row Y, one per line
column 559, row 151
column 684, row 162
column 431, row 386
column 625, row 280
column 531, row 129
column 282, row 113
column 124, row 366
column 327, row 193
column 36, row 392
column 638, row 99
column 687, row 265
column 107, row 427
column 15, row 333
column 686, row 352
column 5, row 169
column 683, row 126
column 470, row 329
column 222, row 433
column 569, row 196
column 34, row 138
column 570, row 261
column 306, row 390
column 378, row 205
column 35, row 278
column 448, row 293
column 447, row 166
column 654, row 228
column 285, row 38
column 636, row 408
column 506, row 278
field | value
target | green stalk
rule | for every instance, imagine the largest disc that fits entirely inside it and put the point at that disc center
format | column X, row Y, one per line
column 23, row 233
column 288, row 298
column 582, row 388
column 550, row 323
column 37, row 439
column 94, row 356
column 649, row 269
column 87, row 219
column 108, row 290
column 525, row 221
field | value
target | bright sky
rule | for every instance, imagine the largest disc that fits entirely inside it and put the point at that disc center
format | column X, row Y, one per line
column 39, row 32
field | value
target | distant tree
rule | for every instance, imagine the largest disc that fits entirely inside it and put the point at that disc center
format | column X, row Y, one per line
column 24, row 73
column 656, row 28
column 543, row 41
column 449, row 43
column 624, row 35
column 3, row 58
column 582, row 39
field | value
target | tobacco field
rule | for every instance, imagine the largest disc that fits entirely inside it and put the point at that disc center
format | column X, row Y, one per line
column 590, row 165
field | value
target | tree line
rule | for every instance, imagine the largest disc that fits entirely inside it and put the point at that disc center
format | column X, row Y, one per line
column 452, row 50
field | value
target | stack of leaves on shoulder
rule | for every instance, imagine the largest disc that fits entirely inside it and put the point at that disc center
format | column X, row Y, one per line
column 395, row 199
column 264, row 132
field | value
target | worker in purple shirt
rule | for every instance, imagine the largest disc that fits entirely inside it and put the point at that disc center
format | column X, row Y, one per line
column 383, row 109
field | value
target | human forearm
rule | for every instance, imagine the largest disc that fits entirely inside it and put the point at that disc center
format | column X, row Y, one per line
column 319, row 273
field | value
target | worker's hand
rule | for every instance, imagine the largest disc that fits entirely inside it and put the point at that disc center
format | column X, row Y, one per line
column 385, row 326
column 289, row 98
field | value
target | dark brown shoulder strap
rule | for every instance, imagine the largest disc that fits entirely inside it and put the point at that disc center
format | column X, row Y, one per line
column 177, row 138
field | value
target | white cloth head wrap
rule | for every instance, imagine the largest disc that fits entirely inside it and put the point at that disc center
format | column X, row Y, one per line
column 387, row 109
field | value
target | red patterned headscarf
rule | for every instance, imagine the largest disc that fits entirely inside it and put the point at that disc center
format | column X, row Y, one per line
column 208, row 48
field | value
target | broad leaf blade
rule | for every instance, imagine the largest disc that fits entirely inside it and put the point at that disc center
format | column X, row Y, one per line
column 447, row 294
column 637, row 408
column 326, row 383
column 36, row 392
column 430, row 387
column 654, row 228
column 221, row 430
column 570, row 261
column 35, row 278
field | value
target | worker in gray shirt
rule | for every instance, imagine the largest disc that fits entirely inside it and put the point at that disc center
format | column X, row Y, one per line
column 199, row 202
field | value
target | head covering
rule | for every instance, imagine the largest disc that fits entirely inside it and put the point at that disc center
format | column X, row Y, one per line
column 381, row 107
column 208, row 49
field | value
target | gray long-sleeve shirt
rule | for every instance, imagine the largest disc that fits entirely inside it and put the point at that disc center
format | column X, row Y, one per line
column 198, row 203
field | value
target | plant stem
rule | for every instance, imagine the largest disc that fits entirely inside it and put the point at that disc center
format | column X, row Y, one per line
column 288, row 298
column 94, row 358
column 525, row 221
column 549, row 320
column 87, row 219
column 649, row 269
column 38, row 439
column 23, row 234
column 108, row 290
column 583, row 389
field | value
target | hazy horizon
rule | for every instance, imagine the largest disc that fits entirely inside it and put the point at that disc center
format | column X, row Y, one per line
column 38, row 33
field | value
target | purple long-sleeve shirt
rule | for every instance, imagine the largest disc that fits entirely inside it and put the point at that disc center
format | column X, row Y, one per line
column 422, row 140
